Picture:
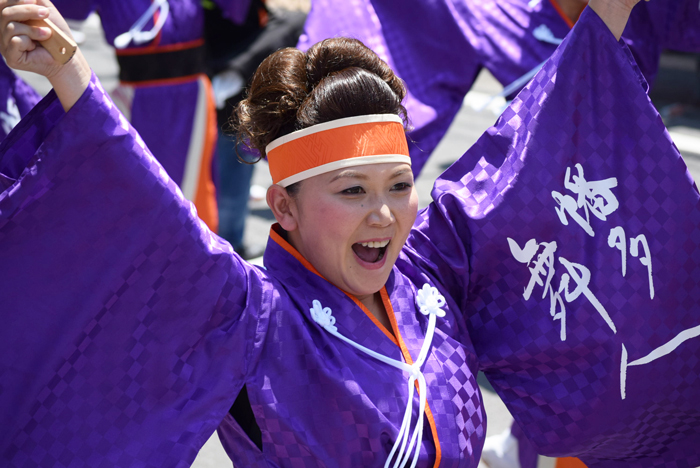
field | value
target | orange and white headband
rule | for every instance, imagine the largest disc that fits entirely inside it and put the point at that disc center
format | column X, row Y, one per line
column 326, row 147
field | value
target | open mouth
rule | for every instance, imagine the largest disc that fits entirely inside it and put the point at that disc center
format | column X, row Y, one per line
column 370, row 252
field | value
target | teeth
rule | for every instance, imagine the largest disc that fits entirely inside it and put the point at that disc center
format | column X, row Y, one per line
column 375, row 245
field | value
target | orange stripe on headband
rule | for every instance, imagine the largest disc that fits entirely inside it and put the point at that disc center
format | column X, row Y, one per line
column 353, row 141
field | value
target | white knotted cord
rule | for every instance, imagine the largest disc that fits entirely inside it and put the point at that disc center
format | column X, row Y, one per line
column 429, row 302
column 136, row 34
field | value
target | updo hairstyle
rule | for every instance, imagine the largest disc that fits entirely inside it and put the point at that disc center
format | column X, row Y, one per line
column 335, row 78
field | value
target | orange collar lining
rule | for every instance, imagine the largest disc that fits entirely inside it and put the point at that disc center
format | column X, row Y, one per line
column 282, row 242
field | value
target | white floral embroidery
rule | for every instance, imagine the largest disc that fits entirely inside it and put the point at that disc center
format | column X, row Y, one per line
column 323, row 316
column 430, row 301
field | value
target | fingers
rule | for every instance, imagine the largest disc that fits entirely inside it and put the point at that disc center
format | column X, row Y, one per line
column 14, row 29
column 21, row 45
column 21, row 11
column 16, row 37
column 28, row 10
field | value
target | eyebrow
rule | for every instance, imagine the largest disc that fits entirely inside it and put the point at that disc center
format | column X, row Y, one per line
column 401, row 172
column 350, row 174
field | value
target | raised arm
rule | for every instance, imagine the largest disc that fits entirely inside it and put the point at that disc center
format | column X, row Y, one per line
column 21, row 49
column 614, row 13
column 113, row 284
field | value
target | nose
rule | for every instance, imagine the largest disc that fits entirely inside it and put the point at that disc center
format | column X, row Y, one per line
column 381, row 214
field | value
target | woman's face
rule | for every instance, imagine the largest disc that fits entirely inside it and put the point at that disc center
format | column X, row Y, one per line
column 352, row 223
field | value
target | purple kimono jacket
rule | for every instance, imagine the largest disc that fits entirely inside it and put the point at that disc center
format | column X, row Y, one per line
column 565, row 244
column 439, row 47
column 16, row 99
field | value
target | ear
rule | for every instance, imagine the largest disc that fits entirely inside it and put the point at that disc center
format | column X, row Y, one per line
column 283, row 206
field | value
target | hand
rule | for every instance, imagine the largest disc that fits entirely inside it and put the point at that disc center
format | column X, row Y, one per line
column 19, row 44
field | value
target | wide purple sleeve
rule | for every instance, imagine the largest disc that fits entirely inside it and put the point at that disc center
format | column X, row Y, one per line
column 571, row 234
column 425, row 43
column 128, row 327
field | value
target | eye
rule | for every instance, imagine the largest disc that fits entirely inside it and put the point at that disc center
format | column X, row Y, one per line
column 401, row 186
column 353, row 191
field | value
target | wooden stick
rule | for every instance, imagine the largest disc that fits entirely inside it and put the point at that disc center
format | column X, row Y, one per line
column 59, row 45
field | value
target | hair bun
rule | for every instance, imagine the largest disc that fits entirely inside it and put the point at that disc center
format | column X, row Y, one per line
column 333, row 55
column 336, row 78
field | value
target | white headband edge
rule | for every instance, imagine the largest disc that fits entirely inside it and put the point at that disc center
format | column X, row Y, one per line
column 343, row 163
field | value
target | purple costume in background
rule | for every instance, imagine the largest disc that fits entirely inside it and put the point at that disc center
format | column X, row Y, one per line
column 164, row 90
column 565, row 243
column 16, row 99
column 439, row 47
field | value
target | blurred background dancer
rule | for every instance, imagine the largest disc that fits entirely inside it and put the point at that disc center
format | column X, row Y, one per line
column 164, row 90
column 234, row 52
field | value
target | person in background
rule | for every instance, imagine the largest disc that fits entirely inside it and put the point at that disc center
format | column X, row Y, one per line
column 439, row 47
column 16, row 99
column 164, row 90
column 234, row 52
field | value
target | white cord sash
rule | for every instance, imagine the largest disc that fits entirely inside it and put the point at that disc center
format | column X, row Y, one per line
column 429, row 302
column 136, row 34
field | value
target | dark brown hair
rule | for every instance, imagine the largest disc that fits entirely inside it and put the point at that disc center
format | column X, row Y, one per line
column 292, row 90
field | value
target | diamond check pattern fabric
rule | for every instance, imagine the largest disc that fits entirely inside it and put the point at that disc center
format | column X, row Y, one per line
column 130, row 328
column 439, row 47
column 134, row 357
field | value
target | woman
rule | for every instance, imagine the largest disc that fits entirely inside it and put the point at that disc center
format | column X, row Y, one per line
column 359, row 342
